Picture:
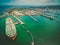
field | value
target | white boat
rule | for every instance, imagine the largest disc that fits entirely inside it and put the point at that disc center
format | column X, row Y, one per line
column 10, row 29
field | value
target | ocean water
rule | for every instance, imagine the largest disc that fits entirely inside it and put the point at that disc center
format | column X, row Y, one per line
column 3, row 8
column 44, row 31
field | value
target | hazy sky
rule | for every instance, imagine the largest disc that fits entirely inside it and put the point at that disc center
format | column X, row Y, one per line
column 29, row 2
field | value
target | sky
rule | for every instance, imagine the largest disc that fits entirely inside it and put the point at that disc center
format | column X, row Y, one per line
column 30, row 2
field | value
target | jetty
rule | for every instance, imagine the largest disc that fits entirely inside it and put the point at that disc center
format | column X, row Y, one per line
column 18, row 19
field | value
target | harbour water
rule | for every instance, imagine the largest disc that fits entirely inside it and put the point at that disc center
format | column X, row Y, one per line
column 44, row 31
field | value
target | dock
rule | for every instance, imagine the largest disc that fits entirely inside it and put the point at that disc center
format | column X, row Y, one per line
column 18, row 19
column 33, row 18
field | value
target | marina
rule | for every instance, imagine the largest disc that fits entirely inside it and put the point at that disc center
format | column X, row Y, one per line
column 29, row 22
column 29, row 26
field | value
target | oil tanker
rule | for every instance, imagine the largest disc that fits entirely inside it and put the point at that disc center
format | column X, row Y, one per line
column 10, row 31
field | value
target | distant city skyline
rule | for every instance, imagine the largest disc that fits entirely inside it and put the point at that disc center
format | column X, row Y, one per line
column 30, row 2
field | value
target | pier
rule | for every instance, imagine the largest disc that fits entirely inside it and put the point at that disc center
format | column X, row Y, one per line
column 30, row 34
column 33, row 18
column 18, row 19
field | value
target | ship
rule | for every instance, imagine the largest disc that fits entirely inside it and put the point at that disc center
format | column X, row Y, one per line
column 10, row 31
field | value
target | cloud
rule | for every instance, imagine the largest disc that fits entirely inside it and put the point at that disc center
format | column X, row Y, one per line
column 32, row 2
column 27, row 2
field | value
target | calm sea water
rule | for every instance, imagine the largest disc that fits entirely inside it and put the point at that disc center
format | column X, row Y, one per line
column 45, row 31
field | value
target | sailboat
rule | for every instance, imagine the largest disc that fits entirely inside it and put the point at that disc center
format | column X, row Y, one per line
column 10, row 31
